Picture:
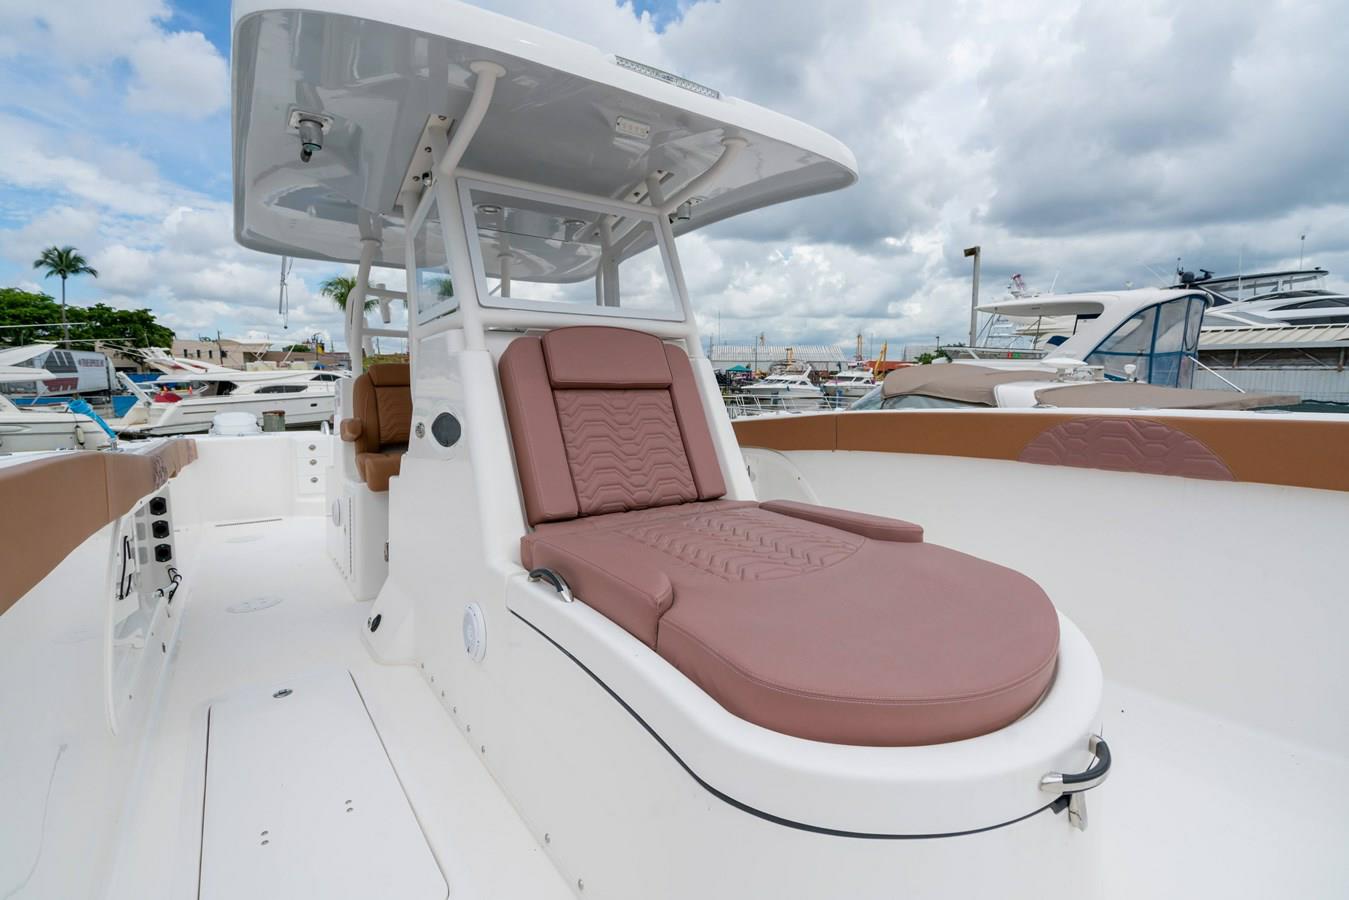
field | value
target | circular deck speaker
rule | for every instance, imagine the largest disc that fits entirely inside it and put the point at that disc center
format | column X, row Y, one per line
column 475, row 632
column 446, row 430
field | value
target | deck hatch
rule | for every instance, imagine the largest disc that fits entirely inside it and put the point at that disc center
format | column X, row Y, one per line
column 302, row 800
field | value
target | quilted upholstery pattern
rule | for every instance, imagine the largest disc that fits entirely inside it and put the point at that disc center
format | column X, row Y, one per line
column 1125, row 445
column 747, row 544
column 624, row 449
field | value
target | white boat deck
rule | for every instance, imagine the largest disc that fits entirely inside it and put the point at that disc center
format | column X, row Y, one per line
column 1196, row 806
column 1199, row 806
column 483, row 849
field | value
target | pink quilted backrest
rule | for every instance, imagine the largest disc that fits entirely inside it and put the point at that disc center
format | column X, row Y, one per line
column 605, row 420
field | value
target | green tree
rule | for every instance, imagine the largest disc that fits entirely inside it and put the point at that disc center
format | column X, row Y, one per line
column 64, row 261
column 35, row 312
column 339, row 287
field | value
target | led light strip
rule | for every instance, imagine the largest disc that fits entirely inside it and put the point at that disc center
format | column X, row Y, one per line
column 667, row 77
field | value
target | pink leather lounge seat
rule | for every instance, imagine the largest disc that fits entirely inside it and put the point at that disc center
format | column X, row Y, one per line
column 815, row 622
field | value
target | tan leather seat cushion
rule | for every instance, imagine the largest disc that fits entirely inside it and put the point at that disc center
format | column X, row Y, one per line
column 811, row 630
column 377, row 468
column 381, row 401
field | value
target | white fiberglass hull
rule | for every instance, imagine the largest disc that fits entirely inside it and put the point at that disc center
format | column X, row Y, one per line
column 257, row 587
column 22, row 431
column 852, row 391
column 194, row 416
column 785, row 398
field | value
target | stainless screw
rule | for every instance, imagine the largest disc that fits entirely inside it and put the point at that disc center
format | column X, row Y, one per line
column 547, row 838
column 580, row 885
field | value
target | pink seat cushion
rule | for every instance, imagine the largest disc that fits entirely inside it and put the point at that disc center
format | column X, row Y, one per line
column 605, row 420
column 817, row 622
column 811, row 630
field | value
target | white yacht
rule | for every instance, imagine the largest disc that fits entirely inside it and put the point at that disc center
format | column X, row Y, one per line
column 188, row 397
column 25, row 429
column 539, row 622
column 851, row 383
column 1292, row 297
column 1059, row 382
column 789, row 388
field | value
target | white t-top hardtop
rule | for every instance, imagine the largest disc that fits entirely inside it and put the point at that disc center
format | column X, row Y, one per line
column 565, row 115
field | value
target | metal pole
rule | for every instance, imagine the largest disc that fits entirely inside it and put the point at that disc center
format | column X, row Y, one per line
column 976, row 252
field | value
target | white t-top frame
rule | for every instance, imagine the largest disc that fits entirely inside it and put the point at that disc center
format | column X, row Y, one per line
column 678, row 311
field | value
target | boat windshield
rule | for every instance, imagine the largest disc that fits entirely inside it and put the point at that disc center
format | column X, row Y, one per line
column 534, row 251
column 1161, row 342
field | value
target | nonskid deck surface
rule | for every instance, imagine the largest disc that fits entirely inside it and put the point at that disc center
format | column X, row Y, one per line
column 1200, row 806
column 1186, row 811
column 265, row 609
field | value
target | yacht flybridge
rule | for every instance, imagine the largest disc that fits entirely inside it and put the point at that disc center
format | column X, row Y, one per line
column 532, row 624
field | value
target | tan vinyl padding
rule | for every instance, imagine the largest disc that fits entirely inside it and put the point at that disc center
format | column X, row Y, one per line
column 381, row 402
column 1256, row 448
column 52, row 505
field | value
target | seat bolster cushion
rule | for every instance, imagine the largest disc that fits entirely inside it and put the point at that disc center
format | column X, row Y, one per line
column 350, row 429
column 878, row 528
column 390, row 374
column 606, row 576
column 377, row 468
column 365, row 409
column 540, row 457
column 688, row 407
column 587, row 357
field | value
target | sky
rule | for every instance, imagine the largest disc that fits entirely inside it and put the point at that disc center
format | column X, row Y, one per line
column 1086, row 146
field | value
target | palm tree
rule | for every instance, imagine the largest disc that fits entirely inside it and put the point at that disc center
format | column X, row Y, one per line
column 339, row 287
column 64, row 261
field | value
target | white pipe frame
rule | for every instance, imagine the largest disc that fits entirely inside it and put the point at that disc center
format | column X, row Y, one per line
column 507, row 316
column 731, row 148
column 355, row 311
column 471, row 315
column 454, row 235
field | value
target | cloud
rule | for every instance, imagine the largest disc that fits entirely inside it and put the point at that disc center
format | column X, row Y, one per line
column 67, row 164
column 94, row 41
column 1085, row 145
column 179, row 73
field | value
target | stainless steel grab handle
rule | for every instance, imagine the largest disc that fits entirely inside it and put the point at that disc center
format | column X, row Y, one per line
column 1074, row 785
column 557, row 581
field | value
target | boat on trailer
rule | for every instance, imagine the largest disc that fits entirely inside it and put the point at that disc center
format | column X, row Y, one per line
column 536, row 621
